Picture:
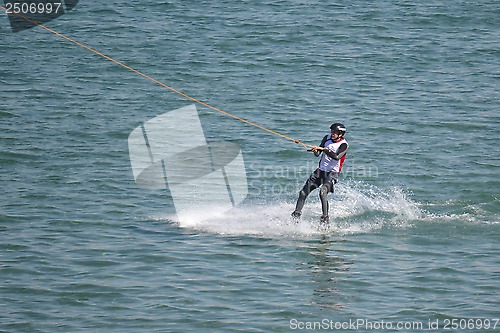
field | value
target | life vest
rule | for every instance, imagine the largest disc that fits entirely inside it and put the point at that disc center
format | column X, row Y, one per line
column 328, row 163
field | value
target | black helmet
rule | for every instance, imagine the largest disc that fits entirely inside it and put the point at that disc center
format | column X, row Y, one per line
column 339, row 127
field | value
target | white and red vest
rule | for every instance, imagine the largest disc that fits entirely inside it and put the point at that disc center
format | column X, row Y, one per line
column 330, row 164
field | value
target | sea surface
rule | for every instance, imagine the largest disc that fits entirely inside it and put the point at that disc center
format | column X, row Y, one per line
column 414, row 242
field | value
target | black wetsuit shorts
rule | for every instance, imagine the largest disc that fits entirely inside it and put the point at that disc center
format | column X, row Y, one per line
column 320, row 177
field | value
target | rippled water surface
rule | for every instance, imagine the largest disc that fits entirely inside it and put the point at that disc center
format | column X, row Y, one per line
column 415, row 217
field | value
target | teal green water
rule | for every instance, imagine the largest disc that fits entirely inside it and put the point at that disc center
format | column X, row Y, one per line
column 415, row 216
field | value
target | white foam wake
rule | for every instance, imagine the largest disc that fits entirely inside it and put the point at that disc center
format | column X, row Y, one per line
column 354, row 208
column 356, row 198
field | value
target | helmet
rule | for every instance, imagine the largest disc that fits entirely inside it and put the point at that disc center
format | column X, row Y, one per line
column 338, row 127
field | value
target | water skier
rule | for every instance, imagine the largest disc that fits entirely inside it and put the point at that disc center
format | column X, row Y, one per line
column 333, row 150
